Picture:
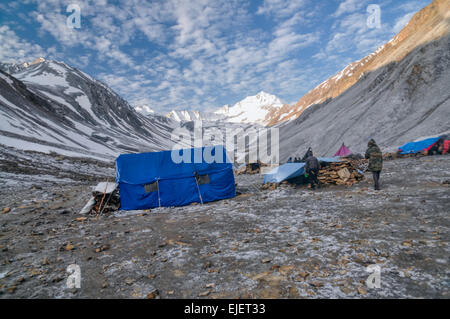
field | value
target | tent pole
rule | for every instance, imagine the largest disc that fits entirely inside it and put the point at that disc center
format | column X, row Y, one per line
column 159, row 198
column 198, row 187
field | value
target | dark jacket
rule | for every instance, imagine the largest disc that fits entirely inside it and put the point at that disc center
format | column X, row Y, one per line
column 307, row 154
column 312, row 164
column 375, row 157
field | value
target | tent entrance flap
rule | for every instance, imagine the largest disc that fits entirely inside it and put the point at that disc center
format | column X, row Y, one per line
column 203, row 179
column 153, row 187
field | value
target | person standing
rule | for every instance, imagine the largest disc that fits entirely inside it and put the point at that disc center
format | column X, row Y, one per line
column 307, row 154
column 312, row 169
column 375, row 157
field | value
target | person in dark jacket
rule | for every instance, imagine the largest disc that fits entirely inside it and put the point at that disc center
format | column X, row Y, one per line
column 375, row 157
column 312, row 169
column 307, row 154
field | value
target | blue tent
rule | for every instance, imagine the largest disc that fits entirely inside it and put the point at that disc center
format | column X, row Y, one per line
column 174, row 178
column 415, row 147
column 292, row 170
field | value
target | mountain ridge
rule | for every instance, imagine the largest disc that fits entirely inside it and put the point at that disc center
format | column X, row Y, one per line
column 400, row 102
column 430, row 23
column 50, row 105
column 254, row 109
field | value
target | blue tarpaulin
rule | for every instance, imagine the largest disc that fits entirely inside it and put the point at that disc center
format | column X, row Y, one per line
column 149, row 180
column 415, row 147
column 292, row 170
column 284, row 172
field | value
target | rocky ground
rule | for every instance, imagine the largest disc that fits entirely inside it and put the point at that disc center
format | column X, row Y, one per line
column 286, row 243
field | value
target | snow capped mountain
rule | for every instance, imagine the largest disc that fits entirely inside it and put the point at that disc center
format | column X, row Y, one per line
column 50, row 106
column 394, row 95
column 12, row 68
column 187, row 116
column 256, row 109
column 394, row 104
column 252, row 109
column 184, row 115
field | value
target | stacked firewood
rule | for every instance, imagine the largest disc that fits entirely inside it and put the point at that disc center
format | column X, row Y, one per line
column 347, row 172
column 251, row 168
column 105, row 199
column 106, row 203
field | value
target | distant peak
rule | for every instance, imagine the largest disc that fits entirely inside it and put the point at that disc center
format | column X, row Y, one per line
column 262, row 93
column 38, row 60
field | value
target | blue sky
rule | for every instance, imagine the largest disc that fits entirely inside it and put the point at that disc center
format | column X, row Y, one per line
column 190, row 54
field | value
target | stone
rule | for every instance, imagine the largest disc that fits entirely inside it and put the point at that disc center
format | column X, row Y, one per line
column 153, row 294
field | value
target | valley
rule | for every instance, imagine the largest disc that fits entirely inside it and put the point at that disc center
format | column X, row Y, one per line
column 62, row 129
column 287, row 243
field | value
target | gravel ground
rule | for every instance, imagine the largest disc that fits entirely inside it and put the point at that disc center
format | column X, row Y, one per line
column 288, row 243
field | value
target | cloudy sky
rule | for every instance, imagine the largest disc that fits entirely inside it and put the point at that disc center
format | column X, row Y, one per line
column 200, row 54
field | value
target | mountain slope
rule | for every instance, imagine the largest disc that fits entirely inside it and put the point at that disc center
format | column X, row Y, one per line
column 431, row 23
column 187, row 115
column 50, row 106
column 394, row 104
column 144, row 109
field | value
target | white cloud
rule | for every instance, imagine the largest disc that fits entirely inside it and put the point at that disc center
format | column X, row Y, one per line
column 15, row 50
column 349, row 6
column 197, row 33
column 281, row 8
column 351, row 36
column 178, row 54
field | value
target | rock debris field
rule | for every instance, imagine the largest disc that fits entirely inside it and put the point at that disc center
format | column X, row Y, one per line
column 287, row 243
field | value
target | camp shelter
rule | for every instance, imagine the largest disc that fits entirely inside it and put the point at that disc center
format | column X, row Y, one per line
column 343, row 151
column 292, row 170
column 284, row 172
column 446, row 148
column 418, row 146
column 198, row 175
